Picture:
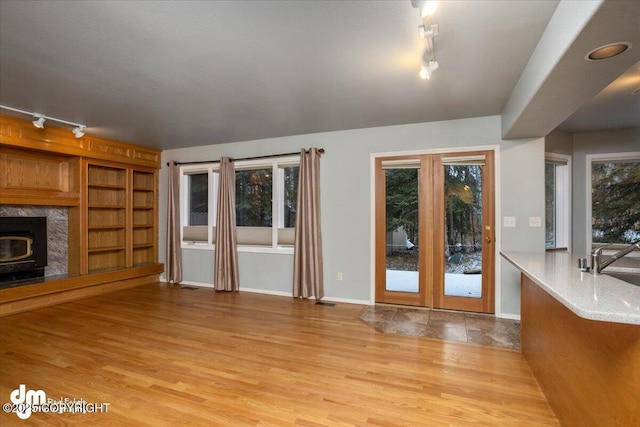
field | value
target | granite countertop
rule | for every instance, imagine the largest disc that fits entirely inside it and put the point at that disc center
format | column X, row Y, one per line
column 594, row 297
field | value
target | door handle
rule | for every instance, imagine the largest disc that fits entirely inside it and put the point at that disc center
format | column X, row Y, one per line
column 487, row 239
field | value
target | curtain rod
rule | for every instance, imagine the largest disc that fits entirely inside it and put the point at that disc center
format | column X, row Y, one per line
column 269, row 156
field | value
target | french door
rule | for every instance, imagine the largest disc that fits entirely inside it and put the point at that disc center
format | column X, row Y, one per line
column 435, row 230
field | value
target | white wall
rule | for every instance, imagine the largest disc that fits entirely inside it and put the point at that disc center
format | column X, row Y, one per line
column 346, row 201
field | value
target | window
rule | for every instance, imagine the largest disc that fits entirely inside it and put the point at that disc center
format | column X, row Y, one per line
column 198, row 189
column 266, row 198
column 557, row 201
column 613, row 198
column 254, row 197
column 290, row 185
column 198, row 198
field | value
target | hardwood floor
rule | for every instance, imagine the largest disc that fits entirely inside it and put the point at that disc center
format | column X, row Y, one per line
column 162, row 355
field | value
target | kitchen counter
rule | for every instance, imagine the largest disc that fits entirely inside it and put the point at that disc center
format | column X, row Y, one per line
column 580, row 334
column 593, row 297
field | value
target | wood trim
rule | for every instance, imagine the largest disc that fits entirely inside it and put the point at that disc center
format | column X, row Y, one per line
column 589, row 370
column 27, row 304
column 55, row 286
column 34, row 178
column 438, row 205
column 381, row 235
column 425, row 232
column 129, row 220
column 21, row 133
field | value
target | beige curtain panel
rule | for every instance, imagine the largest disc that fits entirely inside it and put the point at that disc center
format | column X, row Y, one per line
column 226, row 258
column 307, row 262
column 173, row 266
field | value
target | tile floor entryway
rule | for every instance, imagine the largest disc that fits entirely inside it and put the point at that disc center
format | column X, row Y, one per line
column 473, row 328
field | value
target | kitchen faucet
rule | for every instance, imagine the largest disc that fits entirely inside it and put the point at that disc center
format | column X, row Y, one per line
column 597, row 265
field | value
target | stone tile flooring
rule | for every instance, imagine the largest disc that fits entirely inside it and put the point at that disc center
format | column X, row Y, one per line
column 473, row 328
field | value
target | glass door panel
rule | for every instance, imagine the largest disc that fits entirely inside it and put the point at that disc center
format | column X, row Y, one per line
column 402, row 213
column 463, row 231
column 401, row 228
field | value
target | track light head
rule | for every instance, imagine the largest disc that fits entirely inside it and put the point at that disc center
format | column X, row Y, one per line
column 38, row 120
column 426, row 8
column 427, row 69
column 79, row 131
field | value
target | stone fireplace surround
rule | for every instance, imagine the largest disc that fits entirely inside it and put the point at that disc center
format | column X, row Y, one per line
column 57, row 233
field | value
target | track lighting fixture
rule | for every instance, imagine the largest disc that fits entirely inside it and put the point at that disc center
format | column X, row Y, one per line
column 79, row 131
column 427, row 32
column 39, row 119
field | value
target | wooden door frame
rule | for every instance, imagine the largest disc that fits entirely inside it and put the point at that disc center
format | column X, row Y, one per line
column 486, row 304
column 425, row 283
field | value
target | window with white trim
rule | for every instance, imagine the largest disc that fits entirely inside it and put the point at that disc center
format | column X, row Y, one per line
column 266, row 197
column 557, row 201
column 199, row 196
column 613, row 199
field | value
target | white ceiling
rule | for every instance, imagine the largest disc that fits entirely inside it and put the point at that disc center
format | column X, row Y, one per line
column 172, row 74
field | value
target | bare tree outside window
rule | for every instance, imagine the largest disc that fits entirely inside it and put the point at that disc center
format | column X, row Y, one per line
column 290, row 195
column 254, row 197
column 615, row 201
column 198, row 199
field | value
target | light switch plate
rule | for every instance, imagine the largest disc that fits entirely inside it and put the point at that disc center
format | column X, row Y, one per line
column 535, row 221
column 509, row 221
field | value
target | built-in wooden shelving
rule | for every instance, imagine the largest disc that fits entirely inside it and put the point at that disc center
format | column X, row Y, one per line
column 111, row 189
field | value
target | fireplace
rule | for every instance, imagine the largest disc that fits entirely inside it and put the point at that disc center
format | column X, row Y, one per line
column 23, row 248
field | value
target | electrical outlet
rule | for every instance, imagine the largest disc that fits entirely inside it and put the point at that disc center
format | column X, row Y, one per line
column 535, row 221
column 339, row 276
column 509, row 221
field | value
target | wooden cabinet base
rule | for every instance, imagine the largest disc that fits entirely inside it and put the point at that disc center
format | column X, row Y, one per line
column 29, row 297
column 588, row 370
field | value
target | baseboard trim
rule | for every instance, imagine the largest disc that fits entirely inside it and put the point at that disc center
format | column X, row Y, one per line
column 40, row 301
column 508, row 316
column 279, row 293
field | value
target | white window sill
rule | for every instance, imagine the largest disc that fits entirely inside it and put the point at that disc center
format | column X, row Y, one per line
column 281, row 250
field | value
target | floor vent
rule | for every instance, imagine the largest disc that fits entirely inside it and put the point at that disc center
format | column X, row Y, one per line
column 328, row 304
column 189, row 288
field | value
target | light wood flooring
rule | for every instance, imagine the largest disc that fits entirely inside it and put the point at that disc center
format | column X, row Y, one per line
column 161, row 355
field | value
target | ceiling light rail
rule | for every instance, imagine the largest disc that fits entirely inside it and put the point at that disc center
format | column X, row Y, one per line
column 39, row 119
column 427, row 32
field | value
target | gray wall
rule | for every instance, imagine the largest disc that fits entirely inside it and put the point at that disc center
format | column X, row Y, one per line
column 522, row 196
column 346, row 201
column 559, row 142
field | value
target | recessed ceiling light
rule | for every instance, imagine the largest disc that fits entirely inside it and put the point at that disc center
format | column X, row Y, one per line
column 608, row 51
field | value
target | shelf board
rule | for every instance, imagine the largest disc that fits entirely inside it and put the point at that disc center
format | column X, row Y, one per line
column 142, row 245
column 109, row 186
column 142, row 225
column 103, row 206
column 143, row 208
column 147, row 190
column 106, row 249
column 106, row 227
